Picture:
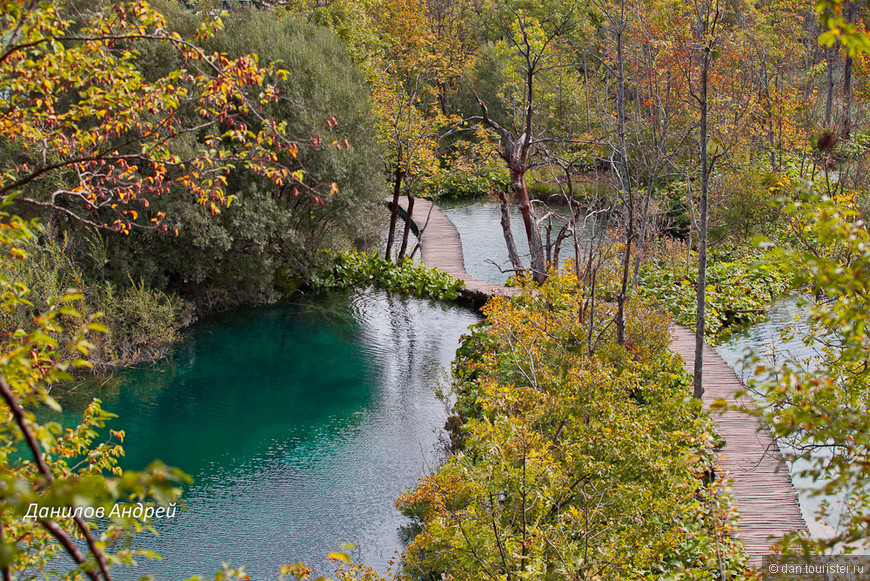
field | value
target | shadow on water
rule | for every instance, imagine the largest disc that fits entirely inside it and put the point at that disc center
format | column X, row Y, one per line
column 301, row 424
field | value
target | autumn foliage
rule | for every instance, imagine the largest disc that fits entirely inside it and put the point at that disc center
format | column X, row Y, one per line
column 92, row 138
column 571, row 467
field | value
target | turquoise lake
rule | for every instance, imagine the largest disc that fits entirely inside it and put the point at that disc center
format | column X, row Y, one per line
column 301, row 423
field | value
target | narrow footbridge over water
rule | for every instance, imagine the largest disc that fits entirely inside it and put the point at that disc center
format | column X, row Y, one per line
column 766, row 498
column 441, row 248
column 759, row 479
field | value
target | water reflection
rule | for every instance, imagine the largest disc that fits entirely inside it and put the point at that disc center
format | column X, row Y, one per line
column 301, row 424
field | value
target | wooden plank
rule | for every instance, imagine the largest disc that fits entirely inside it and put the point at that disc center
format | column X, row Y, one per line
column 758, row 478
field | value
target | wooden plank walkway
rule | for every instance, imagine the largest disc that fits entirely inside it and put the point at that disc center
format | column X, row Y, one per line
column 763, row 491
column 441, row 247
column 765, row 496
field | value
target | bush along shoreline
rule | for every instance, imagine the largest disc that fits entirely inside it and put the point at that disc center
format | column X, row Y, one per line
column 571, row 465
column 141, row 323
column 352, row 269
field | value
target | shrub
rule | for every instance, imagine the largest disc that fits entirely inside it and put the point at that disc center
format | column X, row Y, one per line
column 456, row 185
column 356, row 269
column 571, row 466
column 141, row 323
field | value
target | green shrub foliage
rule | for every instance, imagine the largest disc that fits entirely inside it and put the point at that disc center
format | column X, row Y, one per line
column 233, row 257
column 355, row 269
column 739, row 290
column 567, row 466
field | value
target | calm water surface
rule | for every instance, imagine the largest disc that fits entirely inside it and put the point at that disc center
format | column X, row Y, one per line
column 483, row 245
column 300, row 423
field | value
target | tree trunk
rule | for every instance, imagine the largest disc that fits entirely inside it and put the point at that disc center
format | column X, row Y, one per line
column 536, row 245
column 641, row 236
column 700, row 318
column 548, row 242
column 406, row 233
column 829, row 102
column 514, row 256
column 625, row 179
column 442, row 98
column 557, row 246
column 571, row 223
column 623, row 291
column 847, row 98
column 394, row 216
column 593, row 272
column 851, row 10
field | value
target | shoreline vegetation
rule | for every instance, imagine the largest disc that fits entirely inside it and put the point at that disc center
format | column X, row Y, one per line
column 144, row 322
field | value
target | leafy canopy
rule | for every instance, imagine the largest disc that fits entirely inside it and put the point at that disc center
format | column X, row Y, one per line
column 87, row 135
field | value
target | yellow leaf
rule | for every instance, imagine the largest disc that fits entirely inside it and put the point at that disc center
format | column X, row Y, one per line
column 338, row 556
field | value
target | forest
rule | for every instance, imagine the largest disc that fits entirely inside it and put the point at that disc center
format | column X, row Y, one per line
column 164, row 161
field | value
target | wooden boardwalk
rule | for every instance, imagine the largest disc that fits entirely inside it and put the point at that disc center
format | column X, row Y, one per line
column 760, row 482
column 441, row 247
